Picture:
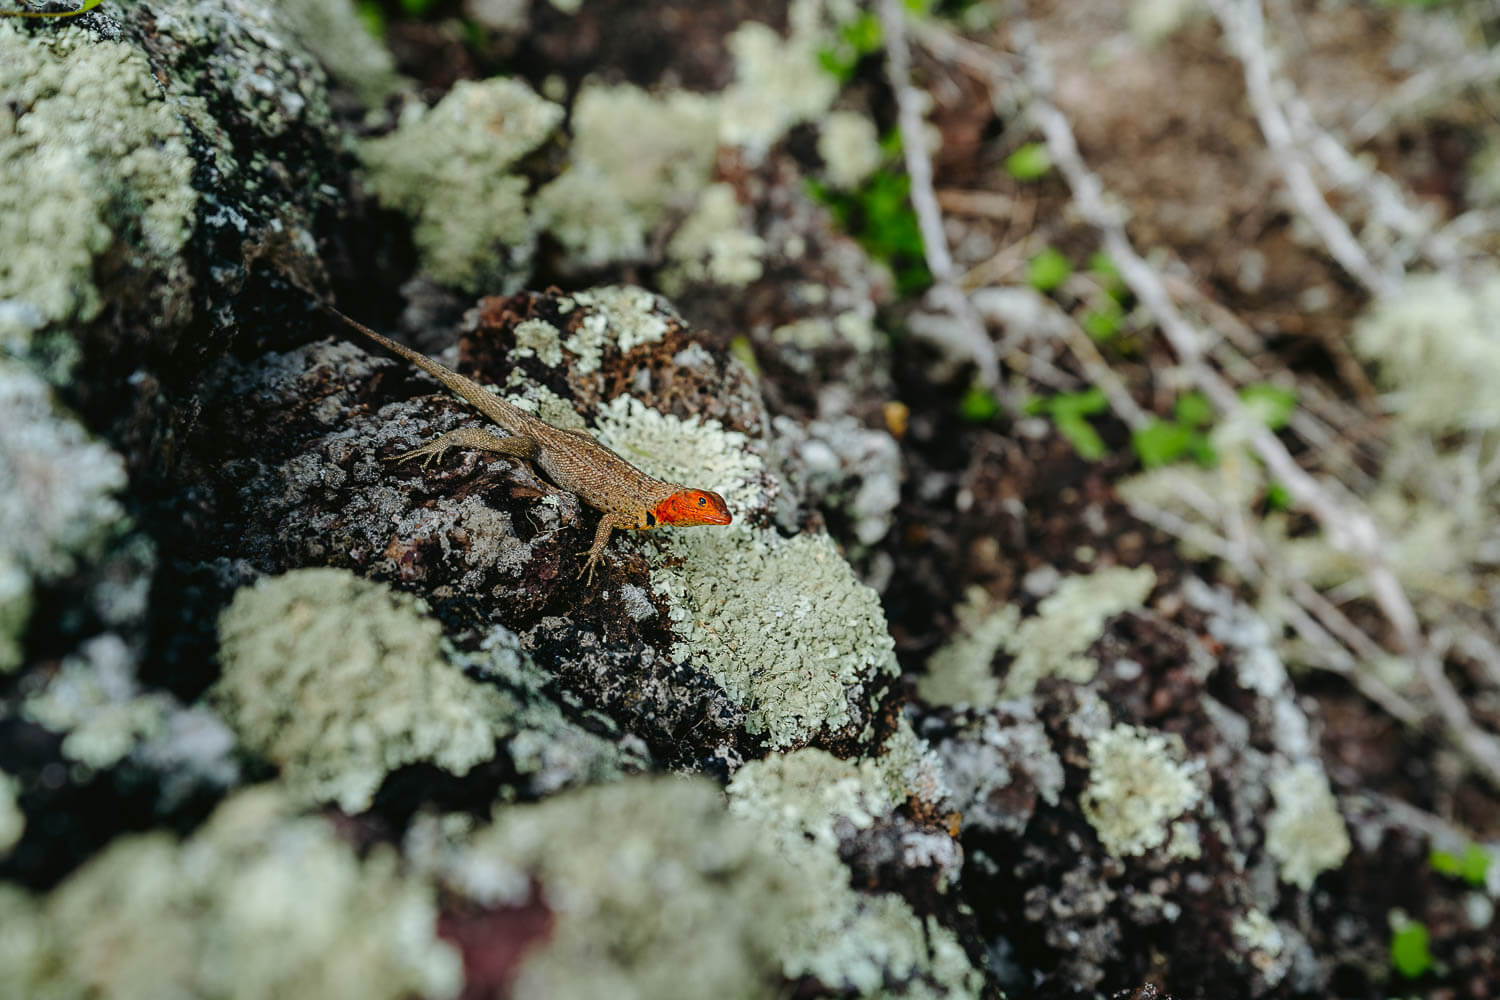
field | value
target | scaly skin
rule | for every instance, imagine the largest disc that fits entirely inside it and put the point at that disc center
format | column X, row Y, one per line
column 572, row 459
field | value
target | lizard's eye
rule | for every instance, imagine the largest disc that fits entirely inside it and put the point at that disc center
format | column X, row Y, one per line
column 702, row 501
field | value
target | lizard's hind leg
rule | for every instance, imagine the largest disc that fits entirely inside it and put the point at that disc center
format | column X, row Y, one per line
column 473, row 439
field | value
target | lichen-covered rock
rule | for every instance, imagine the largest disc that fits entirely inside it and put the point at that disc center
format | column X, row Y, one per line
column 685, row 899
column 449, row 169
column 258, row 904
column 340, row 681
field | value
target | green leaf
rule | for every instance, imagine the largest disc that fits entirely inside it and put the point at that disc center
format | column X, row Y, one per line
column 1082, row 436
column 741, row 349
column 1278, row 497
column 1077, row 404
column 1471, row 866
column 1409, row 954
column 1047, row 270
column 863, row 34
column 416, row 8
column 1102, row 267
column 978, row 405
column 1102, row 323
column 371, row 16
column 1161, row 442
column 1272, row 404
column 1029, row 162
column 1193, row 409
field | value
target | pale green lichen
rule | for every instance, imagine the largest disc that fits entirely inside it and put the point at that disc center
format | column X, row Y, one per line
column 850, row 148
column 15, row 610
column 778, row 82
column 546, row 404
column 540, row 339
column 687, row 899
column 806, row 791
column 1305, row 834
column 333, row 31
column 620, row 316
column 446, row 168
column 634, row 157
column 338, row 681
column 1052, row 643
column 257, row 905
column 1437, row 348
column 962, row 671
column 783, row 625
column 57, row 487
column 711, row 245
column 12, row 820
column 92, row 158
column 96, row 701
column 1138, row 784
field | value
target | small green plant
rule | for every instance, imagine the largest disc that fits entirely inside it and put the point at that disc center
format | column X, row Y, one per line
column 1272, row 404
column 1047, row 270
column 743, row 351
column 1409, row 954
column 1184, row 436
column 1070, row 412
column 978, row 405
column 416, row 8
column 372, row 15
column 1029, row 163
column 1472, row 865
column 1102, row 320
column 880, row 217
column 856, row 40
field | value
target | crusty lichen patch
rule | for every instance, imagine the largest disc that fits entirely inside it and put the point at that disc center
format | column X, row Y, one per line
column 1138, row 784
column 634, row 157
column 713, row 246
column 686, row 899
column 1052, row 643
column 12, row 820
column 92, row 156
column 781, row 623
column 446, row 168
column 257, row 905
column 338, row 681
column 1305, row 834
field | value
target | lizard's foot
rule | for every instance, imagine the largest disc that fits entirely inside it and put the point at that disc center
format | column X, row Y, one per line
column 428, row 453
column 588, row 569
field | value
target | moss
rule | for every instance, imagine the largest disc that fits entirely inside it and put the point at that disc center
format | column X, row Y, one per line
column 688, row 899
column 633, row 158
column 15, row 610
column 782, row 624
column 93, row 159
column 333, row 31
column 1137, row 786
column 1052, row 643
column 257, row 904
column 1305, row 833
column 711, row 245
column 445, row 167
column 57, row 487
column 12, row 820
column 1437, row 347
column 850, row 148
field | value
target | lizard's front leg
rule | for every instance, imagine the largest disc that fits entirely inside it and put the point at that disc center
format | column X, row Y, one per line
column 607, row 524
column 474, row 439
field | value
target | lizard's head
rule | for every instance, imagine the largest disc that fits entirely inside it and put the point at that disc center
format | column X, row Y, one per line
column 686, row 507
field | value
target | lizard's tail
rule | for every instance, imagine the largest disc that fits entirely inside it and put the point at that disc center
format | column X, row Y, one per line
column 476, row 395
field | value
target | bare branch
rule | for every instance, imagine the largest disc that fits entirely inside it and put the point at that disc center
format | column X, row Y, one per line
column 945, row 292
